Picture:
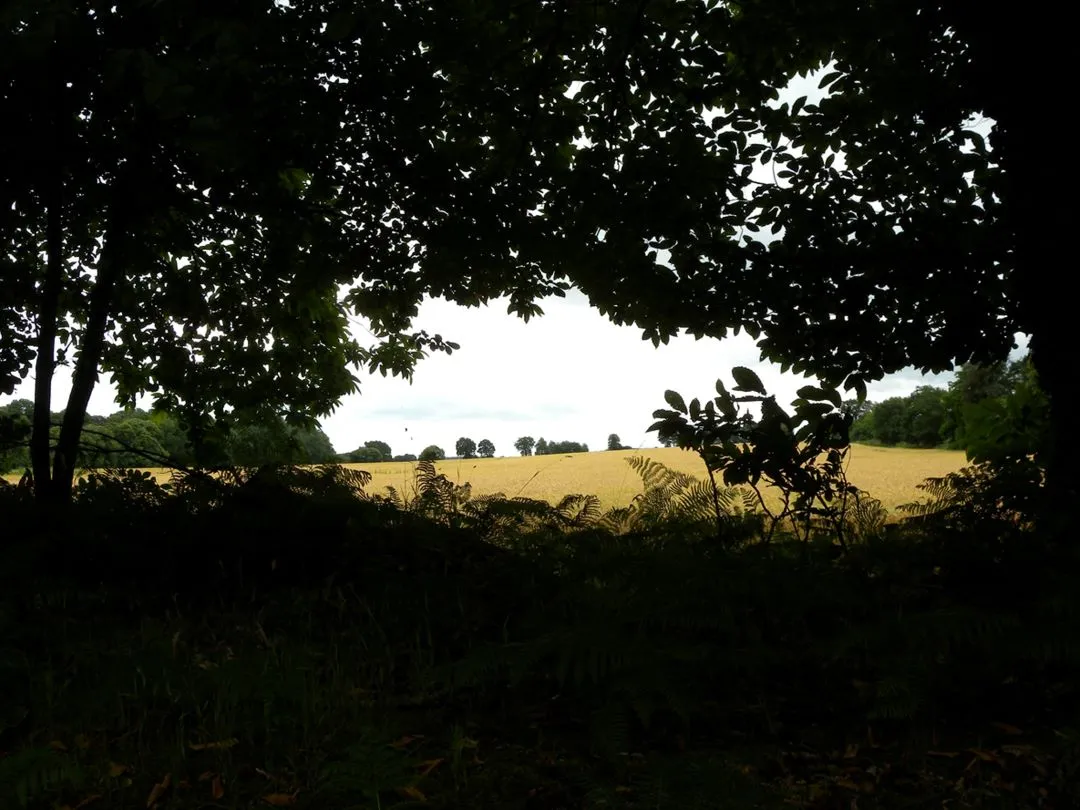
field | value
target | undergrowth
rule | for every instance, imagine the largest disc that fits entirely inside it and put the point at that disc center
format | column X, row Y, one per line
column 283, row 637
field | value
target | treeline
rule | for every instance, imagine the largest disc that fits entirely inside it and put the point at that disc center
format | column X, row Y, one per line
column 138, row 438
column 372, row 451
column 952, row 417
column 528, row 446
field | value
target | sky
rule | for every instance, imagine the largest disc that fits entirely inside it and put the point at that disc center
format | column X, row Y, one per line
column 570, row 375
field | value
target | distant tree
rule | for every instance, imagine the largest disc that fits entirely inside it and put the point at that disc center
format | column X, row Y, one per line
column 465, row 448
column 140, row 443
column 406, row 457
column 890, row 420
column 667, row 440
column 486, row 448
column 382, row 447
column 565, row 447
column 362, row 455
column 525, row 445
column 614, row 443
column 174, row 439
column 862, row 429
column 315, row 445
column 16, row 420
column 252, row 444
column 432, row 453
column 541, row 446
column 855, row 409
column 925, row 416
column 974, row 384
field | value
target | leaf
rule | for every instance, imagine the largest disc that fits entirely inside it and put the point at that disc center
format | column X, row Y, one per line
column 428, row 765
column 812, row 392
column 281, row 799
column 829, row 78
column 413, row 793
column 675, row 401
column 116, row 769
column 217, row 789
column 726, row 406
column 855, row 381
column 747, row 380
column 1007, row 728
column 695, row 409
column 218, row 745
column 159, row 790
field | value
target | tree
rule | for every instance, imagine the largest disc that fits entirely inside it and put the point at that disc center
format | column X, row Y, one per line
column 382, row 447
column 486, row 448
column 546, row 448
column 465, row 448
column 406, row 457
column 15, row 425
column 856, row 234
column 615, row 443
column 975, row 383
column 432, row 453
column 525, row 445
column 315, row 446
column 926, row 416
column 856, row 409
column 362, row 455
column 890, row 420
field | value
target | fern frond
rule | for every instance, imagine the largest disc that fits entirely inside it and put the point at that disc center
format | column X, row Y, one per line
column 579, row 510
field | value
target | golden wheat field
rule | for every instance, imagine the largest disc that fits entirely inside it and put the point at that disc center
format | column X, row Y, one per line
column 888, row 473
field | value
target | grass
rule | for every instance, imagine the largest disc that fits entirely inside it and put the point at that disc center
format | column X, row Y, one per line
column 890, row 474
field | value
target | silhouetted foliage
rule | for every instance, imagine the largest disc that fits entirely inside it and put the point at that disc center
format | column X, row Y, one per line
column 465, row 448
column 633, row 628
column 525, row 445
column 486, row 448
column 865, row 219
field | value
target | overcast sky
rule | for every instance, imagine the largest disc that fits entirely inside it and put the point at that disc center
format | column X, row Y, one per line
column 569, row 375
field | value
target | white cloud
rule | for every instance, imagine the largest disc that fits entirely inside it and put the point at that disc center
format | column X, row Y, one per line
column 569, row 375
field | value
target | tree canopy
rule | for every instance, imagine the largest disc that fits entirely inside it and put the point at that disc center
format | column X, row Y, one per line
column 432, row 453
column 640, row 152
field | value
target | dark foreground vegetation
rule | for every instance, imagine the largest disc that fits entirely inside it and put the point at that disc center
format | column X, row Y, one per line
column 278, row 636
column 198, row 202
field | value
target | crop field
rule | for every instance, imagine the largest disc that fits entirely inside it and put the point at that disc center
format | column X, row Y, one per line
column 889, row 474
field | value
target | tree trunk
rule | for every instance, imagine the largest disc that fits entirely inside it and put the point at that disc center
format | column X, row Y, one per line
column 114, row 257
column 1042, row 213
column 45, row 362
